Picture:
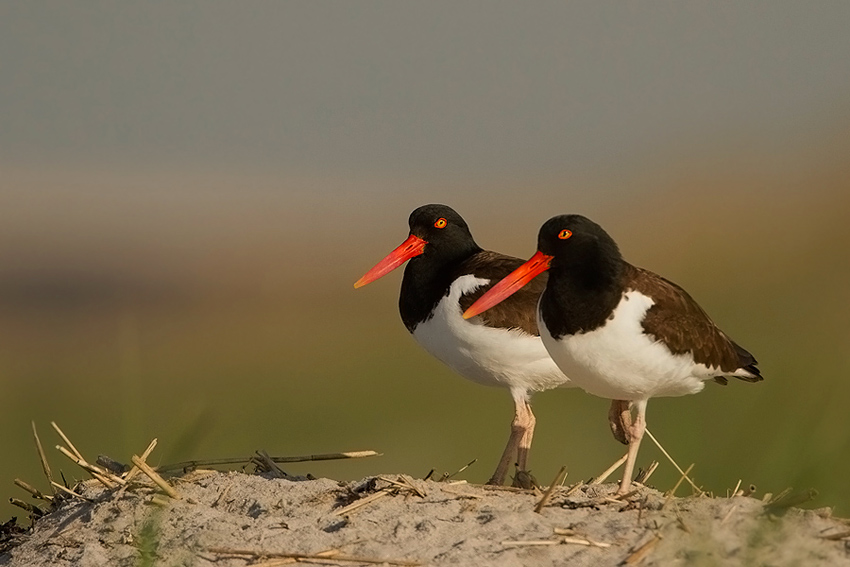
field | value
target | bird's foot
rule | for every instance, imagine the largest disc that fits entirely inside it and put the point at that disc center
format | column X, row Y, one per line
column 525, row 480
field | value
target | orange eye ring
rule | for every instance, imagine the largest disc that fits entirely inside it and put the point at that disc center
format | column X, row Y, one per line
column 441, row 223
column 564, row 234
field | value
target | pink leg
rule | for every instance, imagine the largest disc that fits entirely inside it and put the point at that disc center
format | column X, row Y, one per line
column 635, row 434
column 528, row 422
column 522, row 429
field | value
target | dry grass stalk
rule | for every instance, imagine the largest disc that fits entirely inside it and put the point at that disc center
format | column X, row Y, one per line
column 638, row 554
column 737, row 487
column 36, row 493
column 34, row 510
column 362, row 502
column 44, row 465
column 330, row 553
column 270, row 465
column 109, row 480
column 67, row 441
column 697, row 489
column 67, row 490
column 406, row 483
column 837, row 536
column 410, row 486
column 643, row 475
column 673, row 490
column 609, row 471
column 585, row 541
column 152, row 474
column 729, row 514
column 337, row 557
column 574, row 488
column 461, row 494
column 505, row 488
column 460, row 470
column 531, row 542
column 556, row 482
column 239, row 460
column 135, row 470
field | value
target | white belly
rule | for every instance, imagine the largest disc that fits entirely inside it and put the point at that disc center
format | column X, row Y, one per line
column 490, row 356
column 618, row 361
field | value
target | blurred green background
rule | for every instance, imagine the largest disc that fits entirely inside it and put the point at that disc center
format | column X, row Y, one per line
column 189, row 190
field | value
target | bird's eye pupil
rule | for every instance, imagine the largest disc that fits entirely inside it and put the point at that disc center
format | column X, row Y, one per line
column 441, row 223
column 564, row 234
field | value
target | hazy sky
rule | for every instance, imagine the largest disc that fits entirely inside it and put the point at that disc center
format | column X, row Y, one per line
column 471, row 89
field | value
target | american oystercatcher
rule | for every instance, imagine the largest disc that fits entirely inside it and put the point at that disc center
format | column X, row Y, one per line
column 447, row 271
column 618, row 331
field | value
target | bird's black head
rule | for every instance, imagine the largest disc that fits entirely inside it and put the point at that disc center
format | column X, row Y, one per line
column 445, row 232
column 438, row 238
column 574, row 241
column 579, row 255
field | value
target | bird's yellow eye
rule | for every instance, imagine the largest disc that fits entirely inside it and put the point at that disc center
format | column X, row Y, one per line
column 441, row 223
column 564, row 234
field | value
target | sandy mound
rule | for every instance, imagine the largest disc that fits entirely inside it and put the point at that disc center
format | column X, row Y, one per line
column 220, row 515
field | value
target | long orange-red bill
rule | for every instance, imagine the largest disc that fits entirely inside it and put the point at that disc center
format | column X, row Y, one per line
column 411, row 247
column 510, row 284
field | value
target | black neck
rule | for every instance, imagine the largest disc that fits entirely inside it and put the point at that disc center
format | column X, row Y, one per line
column 582, row 296
column 427, row 279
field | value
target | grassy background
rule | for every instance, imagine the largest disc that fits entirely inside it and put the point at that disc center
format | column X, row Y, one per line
column 227, row 325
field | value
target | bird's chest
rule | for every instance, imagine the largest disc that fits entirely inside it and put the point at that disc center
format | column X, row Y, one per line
column 487, row 355
column 618, row 360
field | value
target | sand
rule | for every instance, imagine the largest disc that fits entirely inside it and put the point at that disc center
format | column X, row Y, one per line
column 220, row 515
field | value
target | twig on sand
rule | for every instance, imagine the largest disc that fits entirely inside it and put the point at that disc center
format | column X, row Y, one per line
column 698, row 490
column 106, row 478
column 644, row 474
column 837, row 536
column 152, row 474
column 402, row 484
column 610, row 470
column 238, row 460
column 136, row 470
column 337, row 557
column 531, row 542
column 556, row 482
column 585, row 541
column 44, row 466
column 67, row 441
column 735, row 491
column 642, row 551
column 672, row 491
column 461, row 494
column 729, row 514
column 34, row 510
column 362, row 502
column 572, row 537
column 269, row 466
column 67, row 490
column 36, row 493
column 406, row 483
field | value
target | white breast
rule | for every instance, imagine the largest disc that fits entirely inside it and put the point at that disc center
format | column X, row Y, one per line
column 619, row 361
column 487, row 355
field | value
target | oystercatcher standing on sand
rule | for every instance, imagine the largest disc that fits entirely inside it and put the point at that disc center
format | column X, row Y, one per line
column 618, row 331
column 447, row 271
